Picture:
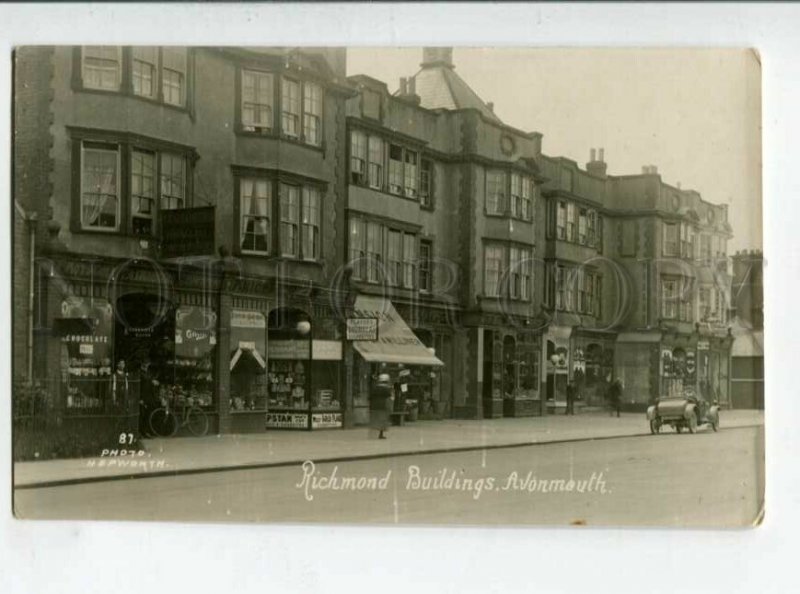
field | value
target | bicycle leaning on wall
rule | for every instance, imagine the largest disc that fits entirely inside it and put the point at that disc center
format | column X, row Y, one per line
column 166, row 420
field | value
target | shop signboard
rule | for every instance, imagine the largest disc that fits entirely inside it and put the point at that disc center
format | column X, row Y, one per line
column 703, row 345
column 187, row 232
column 248, row 319
column 286, row 420
column 362, row 329
column 327, row 350
column 326, row 420
column 288, row 349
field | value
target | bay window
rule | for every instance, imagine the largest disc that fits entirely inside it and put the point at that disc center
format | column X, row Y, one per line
column 561, row 220
column 410, row 174
column 571, row 211
column 526, row 202
column 409, row 258
column 670, row 245
column 173, row 75
column 311, row 223
column 144, row 73
column 425, row 265
column 255, row 197
column 376, row 156
column 396, row 177
column 425, row 182
column 357, row 247
column 290, row 108
column 290, row 219
column 495, row 192
column 100, row 187
column 101, row 67
column 515, row 196
column 257, row 99
column 143, row 192
column 358, row 157
column 374, row 251
column 393, row 257
column 493, row 265
column 173, row 181
column 312, row 113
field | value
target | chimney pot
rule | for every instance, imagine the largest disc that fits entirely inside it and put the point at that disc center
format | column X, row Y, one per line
column 592, row 155
column 412, row 85
column 601, row 154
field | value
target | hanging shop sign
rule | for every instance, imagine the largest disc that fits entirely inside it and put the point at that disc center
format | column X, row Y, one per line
column 283, row 420
column 362, row 329
column 195, row 334
column 326, row 420
column 248, row 319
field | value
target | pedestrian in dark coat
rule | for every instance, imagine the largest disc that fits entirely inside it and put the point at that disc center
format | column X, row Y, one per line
column 570, row 399
column 380, row 405
column 615, row 396
column 148, row 397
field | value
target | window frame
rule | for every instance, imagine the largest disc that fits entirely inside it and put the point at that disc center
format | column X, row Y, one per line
column 425, row 266
column 156, row 191
column 308, row 223
column 118, row 184
column 670, row 247
column 120, row 69
column 494, row 291
column 253, row 126
column 269, row 198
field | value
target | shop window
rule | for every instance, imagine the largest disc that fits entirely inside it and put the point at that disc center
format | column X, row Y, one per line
column 191, row 375
column 255, row 208
column 144, row 73
column 358, row 157
column 173, row 76
column 100, row 195
column 495, row 192
column 425, row 265
column 85, row 329
column 248, row 363
column 173, row 181
column 312, row 113
column 101, row 67
column 290, row 108
column 143, row 192
column 426, row 182
column 257, row 99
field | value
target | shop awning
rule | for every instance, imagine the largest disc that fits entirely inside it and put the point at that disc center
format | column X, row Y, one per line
column 396, row 342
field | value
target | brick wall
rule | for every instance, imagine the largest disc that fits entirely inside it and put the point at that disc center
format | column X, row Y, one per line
column 33, row 164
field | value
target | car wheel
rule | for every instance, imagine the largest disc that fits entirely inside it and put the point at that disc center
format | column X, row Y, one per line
column 692, row 422
column 655, row 426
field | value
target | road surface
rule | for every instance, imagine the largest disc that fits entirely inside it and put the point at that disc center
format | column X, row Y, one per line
column 702, row 480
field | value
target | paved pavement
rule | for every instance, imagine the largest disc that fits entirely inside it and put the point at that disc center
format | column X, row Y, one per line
column 704, row 480
column 164, row 457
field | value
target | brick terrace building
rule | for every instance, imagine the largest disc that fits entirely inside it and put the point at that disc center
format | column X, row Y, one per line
column 197, row 208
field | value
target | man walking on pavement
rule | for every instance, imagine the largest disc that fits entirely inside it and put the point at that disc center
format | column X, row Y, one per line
column 570, row 398
column 615, row 396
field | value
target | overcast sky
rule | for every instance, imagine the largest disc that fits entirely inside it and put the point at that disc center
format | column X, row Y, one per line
column 695, row 114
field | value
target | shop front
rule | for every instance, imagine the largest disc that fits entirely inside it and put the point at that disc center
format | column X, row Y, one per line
column 557, row 361
column 592, row 366
column 302, row 374
column 386, row 344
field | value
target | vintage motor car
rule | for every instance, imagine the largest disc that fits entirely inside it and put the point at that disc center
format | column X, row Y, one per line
column 682, row 413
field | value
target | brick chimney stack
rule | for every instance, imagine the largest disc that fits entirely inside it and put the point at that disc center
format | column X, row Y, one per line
column 597, row 165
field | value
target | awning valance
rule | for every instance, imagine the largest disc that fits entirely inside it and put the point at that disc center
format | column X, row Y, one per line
column 396, row 342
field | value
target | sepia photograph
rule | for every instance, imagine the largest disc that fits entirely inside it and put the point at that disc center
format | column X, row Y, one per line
column 418, row 286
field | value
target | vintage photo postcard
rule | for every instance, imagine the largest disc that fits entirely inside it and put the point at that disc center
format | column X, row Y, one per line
column 433, row 285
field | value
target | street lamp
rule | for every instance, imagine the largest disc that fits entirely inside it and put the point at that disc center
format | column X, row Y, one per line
column 303, row 328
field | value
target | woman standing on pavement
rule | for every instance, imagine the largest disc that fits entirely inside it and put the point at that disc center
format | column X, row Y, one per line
column 380, row 405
